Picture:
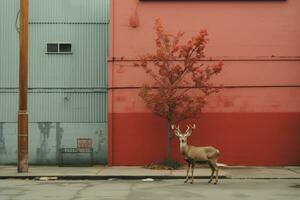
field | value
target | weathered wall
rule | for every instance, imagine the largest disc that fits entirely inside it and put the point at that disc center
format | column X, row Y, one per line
column 46, row 138
column 67, row 95
column 253, row 121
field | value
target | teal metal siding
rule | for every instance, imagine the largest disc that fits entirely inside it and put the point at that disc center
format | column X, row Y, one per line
column 85, row 68
column 57, row 105
column 45, row 138
column 71, row 11
column 67, row 92
column 8, row 105
column 9, row 44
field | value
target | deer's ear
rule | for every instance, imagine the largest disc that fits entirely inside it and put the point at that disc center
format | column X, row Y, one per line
column 172, row 126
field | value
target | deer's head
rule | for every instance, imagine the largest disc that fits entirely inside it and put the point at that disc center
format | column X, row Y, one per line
column 183, row 136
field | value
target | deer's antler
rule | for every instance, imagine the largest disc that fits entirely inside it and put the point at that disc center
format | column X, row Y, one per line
column 188, row 131
column 178, row 128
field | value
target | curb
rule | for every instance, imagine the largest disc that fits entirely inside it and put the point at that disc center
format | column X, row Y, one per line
column 266, row 178
column 117, row 177
column 127, row 177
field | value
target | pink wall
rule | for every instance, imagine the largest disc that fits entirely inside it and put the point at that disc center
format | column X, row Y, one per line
column 259, row 43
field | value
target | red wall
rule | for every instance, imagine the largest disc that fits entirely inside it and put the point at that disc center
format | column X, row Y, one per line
column 242, row 138
column 255, row 120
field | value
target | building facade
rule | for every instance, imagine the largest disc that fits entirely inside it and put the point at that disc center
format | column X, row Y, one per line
column 67, row 87
column 255, row 120
column 82, row 83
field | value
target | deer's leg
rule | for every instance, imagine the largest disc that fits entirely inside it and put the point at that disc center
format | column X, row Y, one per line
column 217, row 173
column 214, row 163
column 187, row 172
column 193, row 166
column 212, row 170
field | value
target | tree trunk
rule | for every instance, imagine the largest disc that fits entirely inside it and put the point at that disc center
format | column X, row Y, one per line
column 169, row 141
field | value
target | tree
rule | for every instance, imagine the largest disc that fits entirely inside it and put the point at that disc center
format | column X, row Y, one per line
column 181, row 81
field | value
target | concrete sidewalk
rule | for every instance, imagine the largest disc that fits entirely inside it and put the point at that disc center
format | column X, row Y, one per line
column 105, row 172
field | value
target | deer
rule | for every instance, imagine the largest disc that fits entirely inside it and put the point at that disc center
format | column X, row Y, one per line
column 201, row 155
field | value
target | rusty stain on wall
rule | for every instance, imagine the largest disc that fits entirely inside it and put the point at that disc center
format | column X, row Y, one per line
column 2, row 140
column 134, row 21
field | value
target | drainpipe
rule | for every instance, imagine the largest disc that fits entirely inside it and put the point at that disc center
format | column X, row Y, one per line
column 111, row 83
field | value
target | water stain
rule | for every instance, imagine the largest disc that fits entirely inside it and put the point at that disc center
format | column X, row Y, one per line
column 59, row 134
column 2, row 139
column 43, row 150
column 101, row 141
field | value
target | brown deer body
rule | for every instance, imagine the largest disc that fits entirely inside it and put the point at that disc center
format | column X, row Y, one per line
column 193, row 155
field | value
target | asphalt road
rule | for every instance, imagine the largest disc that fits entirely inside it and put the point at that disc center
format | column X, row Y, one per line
column 159, row 190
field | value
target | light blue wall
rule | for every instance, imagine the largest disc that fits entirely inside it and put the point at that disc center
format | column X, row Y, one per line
column 76, row 11
column 9, row 44
column 84, row 68
column 45, row 138
column 67, row 92
column 57, row 105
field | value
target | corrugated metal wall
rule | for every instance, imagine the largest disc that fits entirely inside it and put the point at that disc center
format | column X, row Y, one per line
column 76, row 70
column 64, row 89
column 57, row 105
column 9, row 45
column 77, row 11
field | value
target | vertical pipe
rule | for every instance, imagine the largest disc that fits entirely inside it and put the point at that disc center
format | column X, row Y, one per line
column 23, row 85
column 110, row 84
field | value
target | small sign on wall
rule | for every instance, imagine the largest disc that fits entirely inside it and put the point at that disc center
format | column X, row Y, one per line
column 84, row 143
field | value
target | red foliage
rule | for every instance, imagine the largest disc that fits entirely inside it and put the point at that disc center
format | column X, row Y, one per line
column 181, row 82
